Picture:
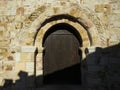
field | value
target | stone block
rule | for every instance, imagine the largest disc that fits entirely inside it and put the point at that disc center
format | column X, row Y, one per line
column 10, row 19
column 73, row 11
column 104, row 61
column 20, row 11
column 2, row 27
column 4, row 44
column 20, row 66
column 56, row 9
column 90, row 50
column 102, row 8
column 30, row 82
column 18, row 25
column 50, row 13
column 39, row 65
column 10, row 75
column 39, row 73
column 20, row 84
column 1, row 33
column 5, row 54
column 94, row 68
column 30, row 66
column 29, row 40
column 9, row 65
column 28, row 49
column 1, row 57
column 26, row 56
column 17, row 57
column 107, row 8
column 115, row 6
column 9, row 62
column 91, row 59
column 92, row 75
column 10, row 58
column 113, row 60
column 115, row 78
column 98, row 8
column 8, row 68
column 92, row 82
column 114, row 68
column 19, row 19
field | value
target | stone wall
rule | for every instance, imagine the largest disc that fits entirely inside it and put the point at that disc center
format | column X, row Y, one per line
column 21, row 20
column 102, row 68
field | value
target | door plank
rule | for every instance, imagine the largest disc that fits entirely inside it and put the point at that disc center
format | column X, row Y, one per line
column 62, row 54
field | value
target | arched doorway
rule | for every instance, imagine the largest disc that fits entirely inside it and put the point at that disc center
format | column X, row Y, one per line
column 62, row 56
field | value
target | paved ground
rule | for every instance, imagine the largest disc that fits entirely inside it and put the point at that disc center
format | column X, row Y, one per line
column 61, row 87
column 50, row 87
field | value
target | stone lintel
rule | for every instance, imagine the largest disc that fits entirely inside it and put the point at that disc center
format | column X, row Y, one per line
column 28, row 49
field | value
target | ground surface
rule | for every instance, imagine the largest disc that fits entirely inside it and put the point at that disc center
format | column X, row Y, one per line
column 50, row 87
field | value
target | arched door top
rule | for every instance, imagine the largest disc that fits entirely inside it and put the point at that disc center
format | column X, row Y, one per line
column 61, row 57
column 63, row 27
column 76, row 27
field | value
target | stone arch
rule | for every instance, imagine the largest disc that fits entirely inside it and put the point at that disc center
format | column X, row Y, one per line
column 41, row 20
column 81, row 29
column 82, row 32
column 48, row 23
column 38, row 23
column 62, row 26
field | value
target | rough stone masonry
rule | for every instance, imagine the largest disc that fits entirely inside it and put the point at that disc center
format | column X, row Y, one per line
column 23, row 24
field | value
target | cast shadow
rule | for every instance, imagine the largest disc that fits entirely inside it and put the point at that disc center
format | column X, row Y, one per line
column 111, row 56
column 103, row 68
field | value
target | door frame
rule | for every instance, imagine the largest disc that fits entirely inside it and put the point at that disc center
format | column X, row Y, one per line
column 70, row 32
column 80, row 33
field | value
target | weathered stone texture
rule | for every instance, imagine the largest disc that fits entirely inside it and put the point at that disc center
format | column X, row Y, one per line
column 23, row 23
column 103, row 8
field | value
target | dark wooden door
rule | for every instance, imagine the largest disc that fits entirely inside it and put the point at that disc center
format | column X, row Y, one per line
column 61, row 63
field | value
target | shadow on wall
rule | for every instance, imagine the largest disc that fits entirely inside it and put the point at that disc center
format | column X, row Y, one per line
column 101, row 70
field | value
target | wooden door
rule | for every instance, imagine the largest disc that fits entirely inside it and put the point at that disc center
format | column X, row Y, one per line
column 61, row 64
